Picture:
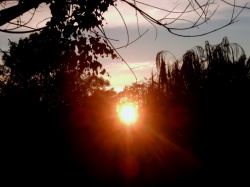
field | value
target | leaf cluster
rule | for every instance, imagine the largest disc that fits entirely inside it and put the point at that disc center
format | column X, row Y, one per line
column 53, row 68
column 76, row 16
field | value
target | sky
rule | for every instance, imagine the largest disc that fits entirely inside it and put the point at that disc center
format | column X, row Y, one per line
column 141, row 54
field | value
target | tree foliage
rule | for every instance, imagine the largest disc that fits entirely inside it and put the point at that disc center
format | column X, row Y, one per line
column 213, row 84
column 53, row 68
column 223, row 62
column 47, row 88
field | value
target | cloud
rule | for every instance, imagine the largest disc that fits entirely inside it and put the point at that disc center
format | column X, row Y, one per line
column 223, row 12
column 121, row 75
column 115, row 16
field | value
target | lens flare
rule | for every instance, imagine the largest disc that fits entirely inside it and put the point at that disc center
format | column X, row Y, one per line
column 128, row 113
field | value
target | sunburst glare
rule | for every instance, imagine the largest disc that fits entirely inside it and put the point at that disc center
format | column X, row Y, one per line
column 128, row 113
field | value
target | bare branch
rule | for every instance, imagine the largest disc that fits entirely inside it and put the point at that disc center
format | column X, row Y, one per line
column 8, row 14
column 133, row 40
column 124, row 24
column 103, row 32
column 203, row 16
column 21, row 32
column 238, row 6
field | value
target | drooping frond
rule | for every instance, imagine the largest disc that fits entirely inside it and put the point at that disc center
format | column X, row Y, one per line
column 225, row 51
column 219, row 64
column 164, row 67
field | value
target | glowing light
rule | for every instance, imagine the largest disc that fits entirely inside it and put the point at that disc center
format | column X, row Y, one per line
column 128, row 113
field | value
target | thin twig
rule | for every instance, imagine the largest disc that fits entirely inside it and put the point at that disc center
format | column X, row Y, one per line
column 102, row 30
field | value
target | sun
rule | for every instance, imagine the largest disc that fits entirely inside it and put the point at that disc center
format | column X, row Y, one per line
column 128, row 113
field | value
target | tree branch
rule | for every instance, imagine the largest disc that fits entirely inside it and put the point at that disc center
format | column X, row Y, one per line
column 8, row 14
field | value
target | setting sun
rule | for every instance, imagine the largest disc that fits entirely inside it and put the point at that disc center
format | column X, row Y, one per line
column 128, row 113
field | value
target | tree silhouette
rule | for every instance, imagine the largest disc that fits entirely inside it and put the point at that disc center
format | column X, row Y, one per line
column 83, row 21
column 52, row 63
column 44, row 82
column 223, row 62
column 211, row 85
column 58, row 116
